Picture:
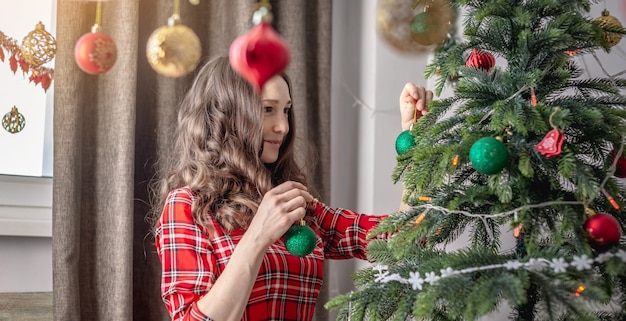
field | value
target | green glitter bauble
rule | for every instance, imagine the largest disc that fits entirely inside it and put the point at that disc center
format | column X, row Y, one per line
column 300, row 240
column 488, row 155
column 404, row 142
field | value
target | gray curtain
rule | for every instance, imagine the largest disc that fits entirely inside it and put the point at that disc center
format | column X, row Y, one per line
column 109, row 129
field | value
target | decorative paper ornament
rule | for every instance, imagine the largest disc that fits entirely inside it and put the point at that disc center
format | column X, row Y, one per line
column 39, row 46
column 260, row 53
column 174, row 50
column 300, row 239
column 602, row 231
column 39, row 75
column 404, row 142
column 13, row 121
column 608, row 21
column 95, row 52
column 488, row 155
column 480, row 59
column 431, row 27
column 551, row 144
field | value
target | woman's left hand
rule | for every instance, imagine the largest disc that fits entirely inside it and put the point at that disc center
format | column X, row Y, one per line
column 413, row 104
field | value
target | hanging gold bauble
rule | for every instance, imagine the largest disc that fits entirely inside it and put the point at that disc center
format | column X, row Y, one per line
column 39, row 46
column 173, row 50
column 431, row 27
column 393, row 21
column 13, row 121
column 607, row 20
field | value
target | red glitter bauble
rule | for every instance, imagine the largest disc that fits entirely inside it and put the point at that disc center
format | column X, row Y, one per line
column 480, row 59
column 603, row 231
column 95, row 53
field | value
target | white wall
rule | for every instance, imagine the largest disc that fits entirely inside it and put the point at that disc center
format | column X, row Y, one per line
column 25, row 234
column 367, row 78
column 28, row 152
column 26, row 162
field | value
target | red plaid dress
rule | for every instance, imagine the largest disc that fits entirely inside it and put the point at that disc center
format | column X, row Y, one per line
column 286, row 287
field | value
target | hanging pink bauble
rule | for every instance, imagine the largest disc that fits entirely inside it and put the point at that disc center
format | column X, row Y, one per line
column 95, row 52
column 603, row 231
column 259, row 54
column 480, row 59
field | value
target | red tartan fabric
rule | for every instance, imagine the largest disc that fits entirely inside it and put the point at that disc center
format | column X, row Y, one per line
column 286, row 287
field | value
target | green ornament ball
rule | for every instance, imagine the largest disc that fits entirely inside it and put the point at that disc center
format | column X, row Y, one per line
column 404, row 142
column 300, row 240
column 488, row 155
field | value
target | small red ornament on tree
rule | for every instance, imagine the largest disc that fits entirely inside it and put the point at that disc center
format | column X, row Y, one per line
column 602, row 231
column 620, row 165
column 480, row 59
column 261, row 53
column 551, row 144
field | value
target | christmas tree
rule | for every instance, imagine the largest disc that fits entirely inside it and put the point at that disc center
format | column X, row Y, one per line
column 524, row 146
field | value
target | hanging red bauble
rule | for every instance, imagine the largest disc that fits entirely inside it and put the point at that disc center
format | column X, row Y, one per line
column 480, row 59
column 95, row 52
column 602, row 231
column 620, row 165
column 259, row 54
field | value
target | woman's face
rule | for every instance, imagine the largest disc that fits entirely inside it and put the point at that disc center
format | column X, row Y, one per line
column 276, row 106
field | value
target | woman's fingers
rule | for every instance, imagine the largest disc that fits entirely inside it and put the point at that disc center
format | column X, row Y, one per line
column 413, row 103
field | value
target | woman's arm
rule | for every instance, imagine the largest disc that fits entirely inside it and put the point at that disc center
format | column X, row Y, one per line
column 413, row 105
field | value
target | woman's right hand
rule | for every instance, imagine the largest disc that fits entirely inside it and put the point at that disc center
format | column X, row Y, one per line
column 282, row 206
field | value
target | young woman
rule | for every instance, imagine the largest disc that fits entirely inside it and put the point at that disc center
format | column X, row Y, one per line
column 232, row 190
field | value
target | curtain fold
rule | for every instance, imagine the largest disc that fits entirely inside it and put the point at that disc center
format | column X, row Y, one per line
column 110, row 129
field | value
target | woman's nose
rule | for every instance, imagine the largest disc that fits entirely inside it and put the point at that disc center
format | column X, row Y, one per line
column 281, row 125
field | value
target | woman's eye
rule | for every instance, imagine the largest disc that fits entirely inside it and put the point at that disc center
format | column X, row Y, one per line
column 267, row 109
column 287, row 110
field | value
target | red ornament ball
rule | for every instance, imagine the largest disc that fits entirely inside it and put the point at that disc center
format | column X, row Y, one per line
column 620, row 166
column 95, row 53
column 480, row 59
column 602, row 231
column 259, row 54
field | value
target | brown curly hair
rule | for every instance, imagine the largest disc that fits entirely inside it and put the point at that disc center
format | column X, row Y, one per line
column 217, row 150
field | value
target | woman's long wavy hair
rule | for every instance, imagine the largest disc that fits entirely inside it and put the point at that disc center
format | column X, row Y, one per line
column 217, row 150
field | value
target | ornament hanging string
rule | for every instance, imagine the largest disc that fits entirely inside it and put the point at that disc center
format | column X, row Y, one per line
column 98, row 13
column 552, row 115
column 175, row 18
